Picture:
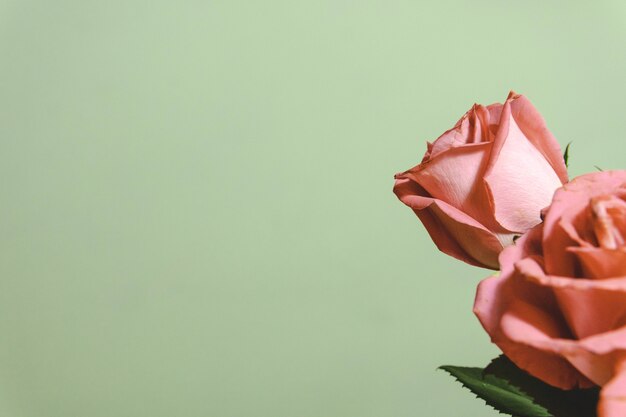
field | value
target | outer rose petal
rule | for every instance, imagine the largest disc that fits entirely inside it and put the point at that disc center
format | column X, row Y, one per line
column 565, row 363
column 531, row 328
column 613, row 395
column 455, row 177
column 501, row 300
column 454, row 232
column 589, row 306
column 534, row 128
column 493, row 292
column 594, row 357
column 519, row 177
column 525, row 322
column 493, row 308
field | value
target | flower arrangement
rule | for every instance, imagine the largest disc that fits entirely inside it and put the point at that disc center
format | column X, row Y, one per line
column 494, row 192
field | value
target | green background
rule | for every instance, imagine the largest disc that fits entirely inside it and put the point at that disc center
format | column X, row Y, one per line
column 196, row 216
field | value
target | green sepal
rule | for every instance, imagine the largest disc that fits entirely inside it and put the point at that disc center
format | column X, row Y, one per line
column 566, row 155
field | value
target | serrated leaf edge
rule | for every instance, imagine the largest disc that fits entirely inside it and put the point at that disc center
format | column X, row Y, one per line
column 477, row 395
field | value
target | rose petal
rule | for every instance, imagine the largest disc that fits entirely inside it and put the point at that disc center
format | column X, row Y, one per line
column 528, row 326
column 519, row 178
column 593, row 357
column 454, row 233
column 533, row 126
column 473, row 127
column 493, row 308
column 600, row 263
column 609, row 221
column 495, row 112
column 613, row 395
column 455, row 177
column 589, row 306
column 531, row 328
column 493, row 293
column 606, row 343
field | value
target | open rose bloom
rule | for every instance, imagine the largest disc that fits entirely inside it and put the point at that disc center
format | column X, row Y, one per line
column 558, row 308
column 485, row 181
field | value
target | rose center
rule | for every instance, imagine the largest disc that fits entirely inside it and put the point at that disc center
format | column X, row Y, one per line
column 609, row 221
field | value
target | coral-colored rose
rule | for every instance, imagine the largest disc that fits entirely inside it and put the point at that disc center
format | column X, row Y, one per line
column 485, row 181
column 558, row 309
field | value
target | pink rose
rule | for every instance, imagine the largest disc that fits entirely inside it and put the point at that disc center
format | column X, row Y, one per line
column 485, row 181
column 558, row 309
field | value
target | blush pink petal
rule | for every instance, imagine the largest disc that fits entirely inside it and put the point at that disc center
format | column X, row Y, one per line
column 496, row 307
column 495, row 112
column 593, row 357
column 454, row 232
column 556, row 242
column 532, row 124
column 453, row 174
column 453, row 138
column 613, row 395
column 606, row 343
column 519, row 177
column 596, row 356
column 494, row 292
column 528, row 326
column 455, row 177
column 600, row 263
column 493, row 308
column 474, row 238
column 471, row 128
column 589, row 306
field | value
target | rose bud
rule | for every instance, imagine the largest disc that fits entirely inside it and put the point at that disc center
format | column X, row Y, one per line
column 485, row 181
column 558, row 308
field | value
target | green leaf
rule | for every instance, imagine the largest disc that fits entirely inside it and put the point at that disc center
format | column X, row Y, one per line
column 566, row 155
column 508, row 389
column 560, row 403
column 497, row 392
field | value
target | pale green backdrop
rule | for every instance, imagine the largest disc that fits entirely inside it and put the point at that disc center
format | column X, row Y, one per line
column 196, row 216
